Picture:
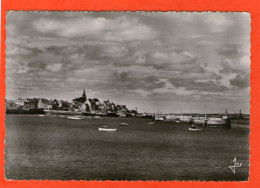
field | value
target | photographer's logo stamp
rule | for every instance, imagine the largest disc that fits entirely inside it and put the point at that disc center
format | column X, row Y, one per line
column 236, row 165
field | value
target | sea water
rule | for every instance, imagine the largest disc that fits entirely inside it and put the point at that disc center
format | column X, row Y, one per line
column 57, row 148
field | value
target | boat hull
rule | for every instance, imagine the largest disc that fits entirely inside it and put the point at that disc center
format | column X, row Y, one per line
column 195, row 129
column 107, row 129
column 76, row 118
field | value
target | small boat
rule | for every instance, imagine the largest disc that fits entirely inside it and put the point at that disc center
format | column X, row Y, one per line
column 105, row 128
column 41, row 115
column 62, row 116
column 123, row 124
column 151, row 123
column 159, row 119
column 178, row 121
column 76, row 117
column 195, row 128
column 97, row 117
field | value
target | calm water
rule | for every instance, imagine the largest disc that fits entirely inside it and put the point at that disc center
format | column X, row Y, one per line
column 58, row 148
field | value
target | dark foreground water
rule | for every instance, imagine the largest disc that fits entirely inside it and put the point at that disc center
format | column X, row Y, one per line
column 58, row 148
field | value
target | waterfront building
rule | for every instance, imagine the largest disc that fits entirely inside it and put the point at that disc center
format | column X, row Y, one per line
column 43, row 104
column 55, row 104
column 107, row 106
column 66, row 105
column 10, row 104
column 49, row 106
column 80, row 102
column 20, row 103
column 133, row 113
column 113, row 107
column 87, row 107
column 101, row 107
column 60, row 104
column 122, row 109
column 94, row 105
column 31, row 103
column 81, row 107
column 26, row 103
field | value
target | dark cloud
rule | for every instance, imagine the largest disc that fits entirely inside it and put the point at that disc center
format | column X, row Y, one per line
column 233, row 59
column 175, row 60
column 240, row 81
column 126, row 81
column 230, row 50
column 229, row 66
column 189, row 84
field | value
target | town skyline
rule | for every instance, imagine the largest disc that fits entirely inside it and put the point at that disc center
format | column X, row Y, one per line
column 166, row 61
column 182, row 110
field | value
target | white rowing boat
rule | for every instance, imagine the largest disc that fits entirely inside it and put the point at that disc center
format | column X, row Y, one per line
column 195, row 128
column 76, row 117
column 105, row 128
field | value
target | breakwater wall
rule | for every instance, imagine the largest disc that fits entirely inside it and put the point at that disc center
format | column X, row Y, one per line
column 223, row 121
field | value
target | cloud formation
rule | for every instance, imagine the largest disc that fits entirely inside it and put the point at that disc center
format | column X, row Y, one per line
column 148, row 59
column 127, row 29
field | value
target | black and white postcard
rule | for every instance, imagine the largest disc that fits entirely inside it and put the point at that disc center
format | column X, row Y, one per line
column 158, row 96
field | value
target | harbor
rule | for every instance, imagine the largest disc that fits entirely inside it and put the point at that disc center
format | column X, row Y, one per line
column 82, row 106
column 55, row 147
column 151, row 96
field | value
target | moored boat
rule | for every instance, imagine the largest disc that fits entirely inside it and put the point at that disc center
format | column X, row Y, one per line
column 76, row 117
column 107, row 129
column 97, row 117
column 195, row 128
column 123, row 124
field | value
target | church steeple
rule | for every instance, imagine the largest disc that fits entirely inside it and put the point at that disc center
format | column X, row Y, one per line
column 81, row 99
column 84, row 93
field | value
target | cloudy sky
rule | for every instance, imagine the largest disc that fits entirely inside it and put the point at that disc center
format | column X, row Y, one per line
column 164, row 61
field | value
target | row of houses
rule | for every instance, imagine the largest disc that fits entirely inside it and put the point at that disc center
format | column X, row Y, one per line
column 39, row 103
column 90, row 105
column 96, row 106
column 93, row 105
